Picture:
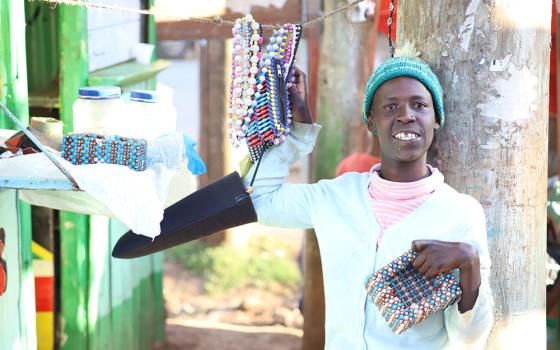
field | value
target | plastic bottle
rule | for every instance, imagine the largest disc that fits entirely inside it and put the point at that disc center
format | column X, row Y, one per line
column 153, row 118
column 99, row 109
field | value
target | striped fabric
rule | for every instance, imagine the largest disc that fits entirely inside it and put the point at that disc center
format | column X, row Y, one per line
column 392, row 201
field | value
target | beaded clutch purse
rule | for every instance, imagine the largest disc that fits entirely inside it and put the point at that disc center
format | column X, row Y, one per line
column 259, row 110
column 405, row 297
column 92, row 149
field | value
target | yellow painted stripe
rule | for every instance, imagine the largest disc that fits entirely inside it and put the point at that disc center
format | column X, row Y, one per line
column 41, row 252
column 45, row 330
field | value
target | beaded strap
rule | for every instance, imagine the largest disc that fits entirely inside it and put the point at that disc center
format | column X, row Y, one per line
column 92, row 149
column 405, row 297
column 259, row 110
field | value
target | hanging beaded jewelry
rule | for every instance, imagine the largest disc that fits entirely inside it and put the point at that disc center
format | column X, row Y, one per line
column 245, row 58
column 259, row 104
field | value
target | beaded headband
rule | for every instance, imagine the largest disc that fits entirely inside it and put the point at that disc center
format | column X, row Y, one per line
column 405, row 297
column 259, row 112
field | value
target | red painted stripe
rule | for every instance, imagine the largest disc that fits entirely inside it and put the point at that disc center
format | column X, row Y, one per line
column 3, row 280
column 44, row 294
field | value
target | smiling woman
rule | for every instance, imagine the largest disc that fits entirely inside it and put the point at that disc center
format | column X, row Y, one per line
column 365, row 221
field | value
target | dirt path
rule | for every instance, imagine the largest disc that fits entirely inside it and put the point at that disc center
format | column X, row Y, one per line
column 248, row 319
column 197, row 335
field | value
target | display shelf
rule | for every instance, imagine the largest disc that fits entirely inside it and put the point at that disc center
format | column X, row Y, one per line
column 127, row 73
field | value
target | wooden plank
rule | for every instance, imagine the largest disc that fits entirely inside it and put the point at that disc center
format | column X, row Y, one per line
column 39, row 184
column 159, row 303
column 99, row 284
column 212, row 109
column 158, row 311
column 127, row 73
column 45, row 98
column 313, row 36
column 13, row 72
column 121, row 293
column 557, row 97
column 13, row 93
column 12, row 313
column 267, row 12
column 344, row 67
column 213, row 116
column 74, row 255
column 314, row 321
column 496, row 132
column 27, row 295
column 74, row 228
column 122, row 28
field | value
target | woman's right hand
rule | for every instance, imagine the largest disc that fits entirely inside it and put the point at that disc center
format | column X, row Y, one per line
column 298, row 96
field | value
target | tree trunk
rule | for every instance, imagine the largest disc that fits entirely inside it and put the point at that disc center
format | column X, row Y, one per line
column 346, row 61
column 492, row 58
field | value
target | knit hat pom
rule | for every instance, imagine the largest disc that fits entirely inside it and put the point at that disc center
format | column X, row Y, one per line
column 407, row 50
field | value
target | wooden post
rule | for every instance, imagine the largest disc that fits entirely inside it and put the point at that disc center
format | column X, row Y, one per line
column 345, row 65
column 493, row 62
column 212, row 116
column 72, row 319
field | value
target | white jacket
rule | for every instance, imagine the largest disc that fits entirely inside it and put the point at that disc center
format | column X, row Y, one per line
column 340, row 212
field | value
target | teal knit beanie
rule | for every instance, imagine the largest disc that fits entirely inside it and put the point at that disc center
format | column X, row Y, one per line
column 404, row 67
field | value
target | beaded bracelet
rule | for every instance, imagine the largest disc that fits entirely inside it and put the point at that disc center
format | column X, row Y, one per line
column 405, row 297
column 92, row 149
column 259, row 110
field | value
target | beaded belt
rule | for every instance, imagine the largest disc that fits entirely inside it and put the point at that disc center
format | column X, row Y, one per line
column 405, row 297
column 92, row 149
column 259, row 110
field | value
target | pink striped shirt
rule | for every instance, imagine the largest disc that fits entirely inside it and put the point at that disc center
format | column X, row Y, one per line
column 392, row 201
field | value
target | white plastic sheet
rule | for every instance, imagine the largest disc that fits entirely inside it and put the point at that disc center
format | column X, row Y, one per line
column 136, row 198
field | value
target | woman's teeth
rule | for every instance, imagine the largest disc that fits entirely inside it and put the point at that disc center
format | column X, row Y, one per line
column 405, row 136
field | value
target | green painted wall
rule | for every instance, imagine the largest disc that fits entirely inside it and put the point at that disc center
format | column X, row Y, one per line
column 42, row 26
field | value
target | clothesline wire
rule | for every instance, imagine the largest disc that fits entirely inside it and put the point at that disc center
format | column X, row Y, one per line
column 217, row 20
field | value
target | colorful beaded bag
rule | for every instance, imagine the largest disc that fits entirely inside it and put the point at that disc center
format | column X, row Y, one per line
column 405, row 297
column 259, row 112
column 92, row 149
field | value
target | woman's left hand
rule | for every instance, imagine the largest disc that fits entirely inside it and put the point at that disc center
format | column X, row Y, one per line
column 435, row 257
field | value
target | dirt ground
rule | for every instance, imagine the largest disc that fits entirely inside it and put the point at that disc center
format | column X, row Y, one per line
column 248, row 319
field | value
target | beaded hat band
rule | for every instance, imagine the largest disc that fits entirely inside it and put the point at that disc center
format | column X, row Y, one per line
column 405, row 297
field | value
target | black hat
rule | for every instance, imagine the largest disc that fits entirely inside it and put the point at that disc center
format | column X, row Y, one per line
column 222, row 204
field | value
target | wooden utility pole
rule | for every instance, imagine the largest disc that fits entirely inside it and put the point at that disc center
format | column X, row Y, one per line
column 493, row 61
column 345, row 64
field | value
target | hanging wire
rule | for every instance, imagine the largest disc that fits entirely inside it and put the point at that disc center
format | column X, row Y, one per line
column 389, row 26
column 217, row 20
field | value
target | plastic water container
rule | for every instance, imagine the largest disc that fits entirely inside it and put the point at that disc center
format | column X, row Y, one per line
column 100, row 110
column 152, row 116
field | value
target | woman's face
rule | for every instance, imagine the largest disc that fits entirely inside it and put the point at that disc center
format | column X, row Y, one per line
column 404, row 117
